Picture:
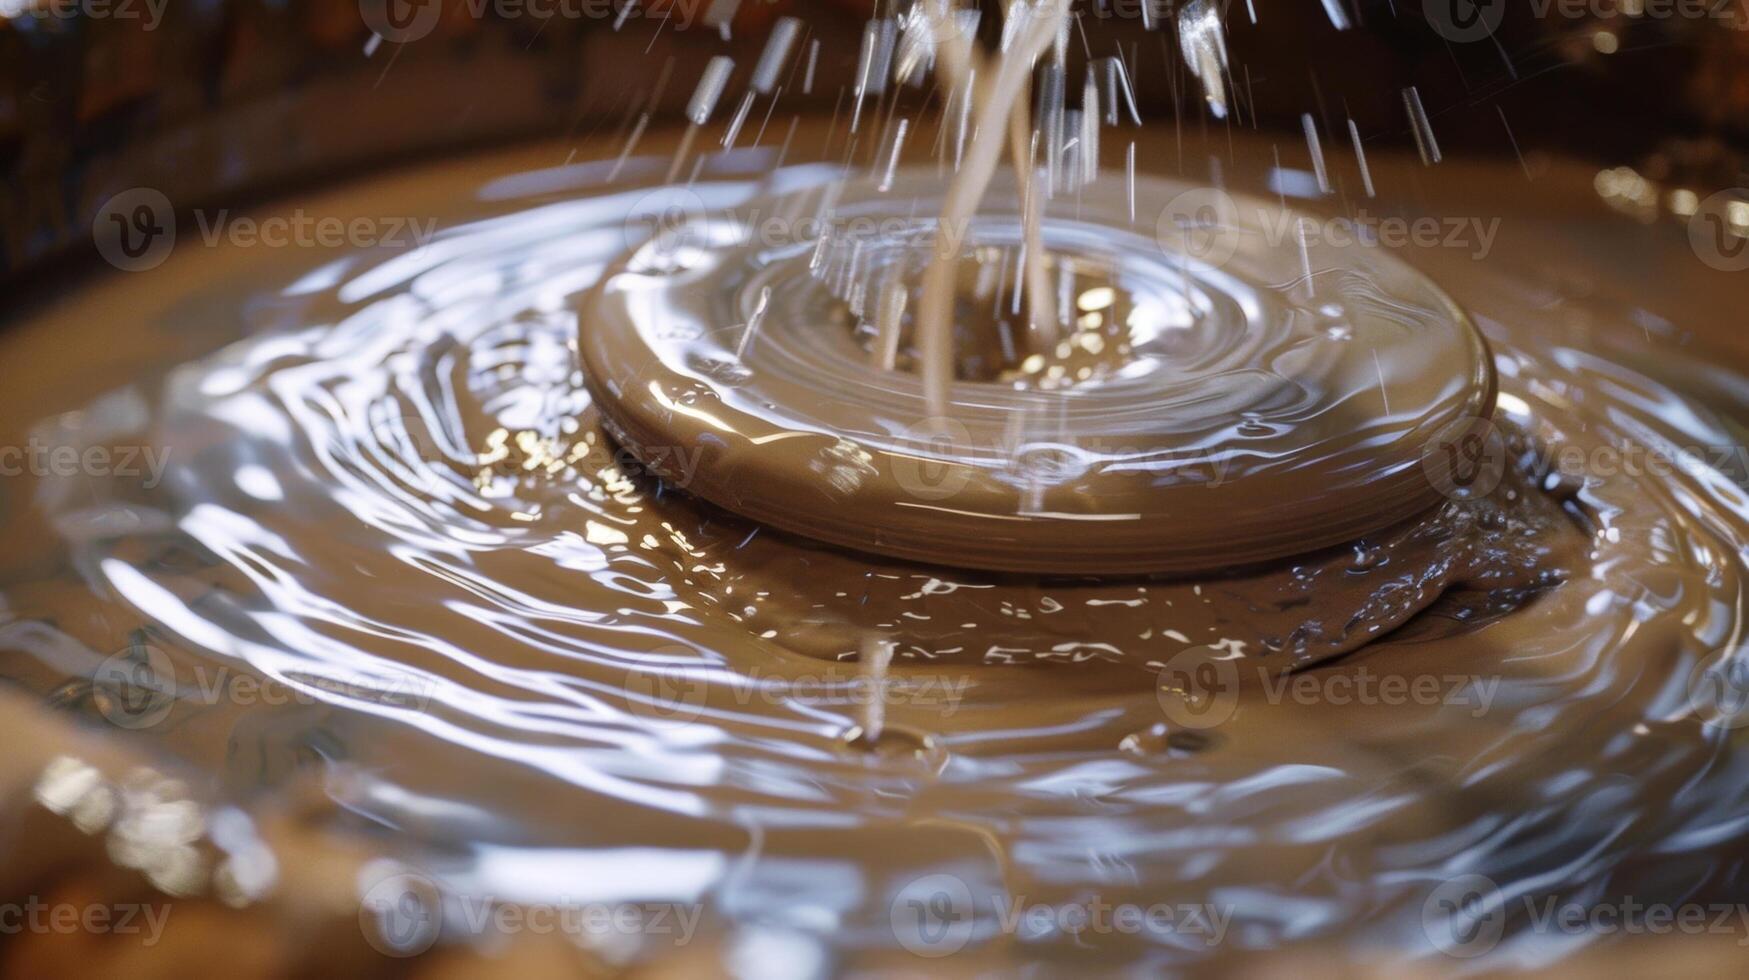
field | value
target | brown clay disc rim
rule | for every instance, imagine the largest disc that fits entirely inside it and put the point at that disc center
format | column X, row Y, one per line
column 1308, row 414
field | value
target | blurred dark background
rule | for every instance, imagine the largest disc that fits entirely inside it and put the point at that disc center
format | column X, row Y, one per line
column 227, row 102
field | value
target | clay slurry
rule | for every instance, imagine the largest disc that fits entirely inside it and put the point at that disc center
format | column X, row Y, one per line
column 1231, row 419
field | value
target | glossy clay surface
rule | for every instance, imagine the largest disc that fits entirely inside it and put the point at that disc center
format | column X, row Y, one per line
column 385, row 475
column 1244, row 411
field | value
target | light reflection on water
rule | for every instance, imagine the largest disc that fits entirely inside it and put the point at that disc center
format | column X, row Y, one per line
column 547, row 677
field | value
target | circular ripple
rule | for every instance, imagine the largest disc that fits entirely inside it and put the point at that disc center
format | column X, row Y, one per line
column 1278, row 402
column 489, row 636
